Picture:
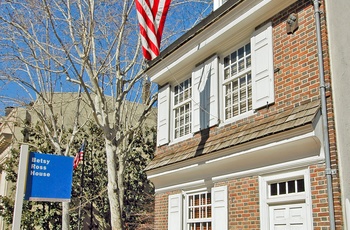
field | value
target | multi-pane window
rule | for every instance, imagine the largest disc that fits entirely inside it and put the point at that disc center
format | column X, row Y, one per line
column 287, row 187
column 238, row 82
column 199, row 211
column 182, row 108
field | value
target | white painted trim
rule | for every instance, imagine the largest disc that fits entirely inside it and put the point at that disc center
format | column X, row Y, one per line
column 311, row 134
column 302, row 150
column 272, row 168
column 171, row 171
column 264, row 201
column 236, row 149
column 184, row 186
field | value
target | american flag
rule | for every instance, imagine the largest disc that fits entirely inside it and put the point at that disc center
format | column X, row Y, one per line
column 79, row 156
column 151, row 15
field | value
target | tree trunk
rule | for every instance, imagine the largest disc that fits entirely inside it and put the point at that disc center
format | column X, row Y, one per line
column 65, row 216
column 112, row 187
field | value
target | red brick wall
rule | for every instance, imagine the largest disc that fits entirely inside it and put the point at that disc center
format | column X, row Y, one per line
column 161, row 210
column 296, row 83
column 244, row 204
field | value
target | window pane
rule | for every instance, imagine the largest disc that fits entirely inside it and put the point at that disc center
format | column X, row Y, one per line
column 282, row 188
column 227, row 73
column 228, row 112
column 235, row 85
column 241, row 53
column 235, row 97
column 248, row 62
column 233, row 69
column 241, row 66
column 234, row 57
column 291, row 186
column 249, row 78
column 226, row 61
column 247, row 49
column 301, row 186
column 243, row 107
column 273, row 188
column 235, row 110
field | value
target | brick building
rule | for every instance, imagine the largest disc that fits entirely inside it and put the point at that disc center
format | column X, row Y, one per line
column 246, row 130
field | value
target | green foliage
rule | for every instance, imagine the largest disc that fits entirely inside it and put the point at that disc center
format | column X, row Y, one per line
column 138, row 199
column 91, row 189
column 139, row 191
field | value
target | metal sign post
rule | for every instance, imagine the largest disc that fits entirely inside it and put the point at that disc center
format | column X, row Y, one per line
column 21, row 181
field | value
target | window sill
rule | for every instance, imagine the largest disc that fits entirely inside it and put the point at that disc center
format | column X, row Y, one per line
column 237, row 118
column 180, row 139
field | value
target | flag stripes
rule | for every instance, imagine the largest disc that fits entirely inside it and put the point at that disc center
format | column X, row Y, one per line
column 79, row 156
column 151, row 15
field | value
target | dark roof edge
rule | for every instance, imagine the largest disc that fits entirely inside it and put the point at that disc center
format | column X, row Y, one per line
column 206, row 22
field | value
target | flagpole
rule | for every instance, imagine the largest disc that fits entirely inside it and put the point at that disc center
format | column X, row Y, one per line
column 91, row 205
column 82, row 185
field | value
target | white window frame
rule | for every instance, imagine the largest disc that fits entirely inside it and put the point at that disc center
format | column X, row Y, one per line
column 223, row 82
column 261, row 68
column 266, row 200
column 186, row 208
column 172, row 108
column 178, row 208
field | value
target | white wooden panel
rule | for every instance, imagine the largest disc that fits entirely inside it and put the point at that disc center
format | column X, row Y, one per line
column 219, row 208
column 262, row 67
column 163, row 115
column 205, row 94
column 175, row 212
column 288, row 217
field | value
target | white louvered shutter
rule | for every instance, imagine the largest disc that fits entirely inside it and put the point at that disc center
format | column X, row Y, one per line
column 205, row 94
column 219, row 208
column 196, row 77
column 175, row 212
column 262, row 67
column 163, row 115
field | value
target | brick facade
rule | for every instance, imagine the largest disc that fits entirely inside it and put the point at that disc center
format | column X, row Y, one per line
column 244, row 202
column 296, row 83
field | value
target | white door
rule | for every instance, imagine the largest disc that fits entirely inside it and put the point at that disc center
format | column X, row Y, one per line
column 288, row 217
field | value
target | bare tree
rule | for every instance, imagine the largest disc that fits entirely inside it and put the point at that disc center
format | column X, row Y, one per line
column 95, row 45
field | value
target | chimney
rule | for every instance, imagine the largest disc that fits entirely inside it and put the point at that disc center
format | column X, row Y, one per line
column 8, row 110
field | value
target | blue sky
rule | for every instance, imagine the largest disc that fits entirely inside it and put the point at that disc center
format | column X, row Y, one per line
column 182, row 15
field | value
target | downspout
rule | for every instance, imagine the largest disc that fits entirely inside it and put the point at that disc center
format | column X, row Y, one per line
column 324, row 115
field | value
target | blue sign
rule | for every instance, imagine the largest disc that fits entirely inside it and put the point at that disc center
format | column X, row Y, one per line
column 49, row 177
